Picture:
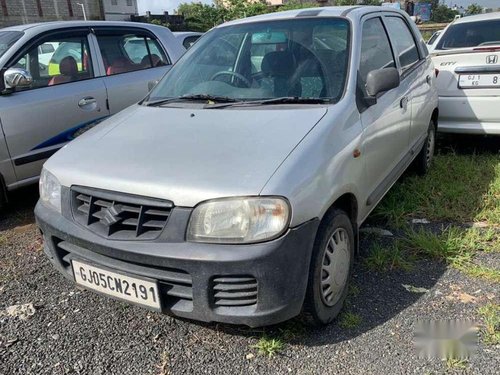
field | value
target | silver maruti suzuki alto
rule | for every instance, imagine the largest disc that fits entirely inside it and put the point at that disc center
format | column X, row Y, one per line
column 235, row 190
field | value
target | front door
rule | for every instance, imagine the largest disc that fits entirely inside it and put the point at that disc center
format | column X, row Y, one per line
column 63, row 100
column 386, row 124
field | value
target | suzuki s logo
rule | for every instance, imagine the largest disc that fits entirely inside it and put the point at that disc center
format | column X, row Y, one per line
column 491, row 59
column 111, row 216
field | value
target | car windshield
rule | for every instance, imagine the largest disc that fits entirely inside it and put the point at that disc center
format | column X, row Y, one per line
column 7, row 39
column 299, row 58
column 471, row 34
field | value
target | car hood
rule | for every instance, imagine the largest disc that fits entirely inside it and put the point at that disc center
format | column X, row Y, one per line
column 185, row 155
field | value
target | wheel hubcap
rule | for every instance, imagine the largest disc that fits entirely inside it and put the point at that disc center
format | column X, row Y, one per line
column 335, row 267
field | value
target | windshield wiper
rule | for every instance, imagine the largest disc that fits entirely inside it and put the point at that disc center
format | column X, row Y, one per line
column 280, row 100
column 293, row 100
column 194, row 97
column 213, row 98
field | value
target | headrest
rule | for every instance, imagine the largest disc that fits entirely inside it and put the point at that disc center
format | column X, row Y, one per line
column 68, row 66
column 279, row 63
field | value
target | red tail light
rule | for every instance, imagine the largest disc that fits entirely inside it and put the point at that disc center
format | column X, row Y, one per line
column 487, row 49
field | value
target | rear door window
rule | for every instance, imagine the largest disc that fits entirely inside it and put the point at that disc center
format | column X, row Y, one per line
column 124, row 52
column 471, row 34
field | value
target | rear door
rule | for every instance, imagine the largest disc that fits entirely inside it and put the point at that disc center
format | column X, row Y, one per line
column 416, row 77
column 386, row 124
column 132, row 57
column 467, row 55
column 64, row 99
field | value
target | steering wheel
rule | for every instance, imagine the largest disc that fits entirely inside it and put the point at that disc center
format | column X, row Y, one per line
column 232, row 74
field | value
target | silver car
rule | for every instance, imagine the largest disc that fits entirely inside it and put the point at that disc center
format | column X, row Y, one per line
column 60, row 78
column 234, row 192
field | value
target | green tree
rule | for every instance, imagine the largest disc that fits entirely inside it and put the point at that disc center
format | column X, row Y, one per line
column 474, row 9
column 443, row 14
column 200, row 17
column 294, row 4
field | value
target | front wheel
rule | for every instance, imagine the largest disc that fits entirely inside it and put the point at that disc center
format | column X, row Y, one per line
column 331, row 267
column 423, row 161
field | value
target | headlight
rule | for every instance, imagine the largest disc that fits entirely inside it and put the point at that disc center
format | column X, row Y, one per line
column 239, row 220
column 50, row 190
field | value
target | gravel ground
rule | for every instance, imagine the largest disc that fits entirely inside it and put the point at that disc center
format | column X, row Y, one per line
column 75, row 331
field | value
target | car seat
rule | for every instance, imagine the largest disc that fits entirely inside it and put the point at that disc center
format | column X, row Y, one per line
column 68, row 70
column 280, row 67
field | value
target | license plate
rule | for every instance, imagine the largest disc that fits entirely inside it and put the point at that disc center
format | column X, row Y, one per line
column 471, row 81
column 128, row 288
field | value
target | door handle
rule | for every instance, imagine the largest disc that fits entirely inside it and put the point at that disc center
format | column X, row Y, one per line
column 87, row 101
column 428, row 79
column 403, row 103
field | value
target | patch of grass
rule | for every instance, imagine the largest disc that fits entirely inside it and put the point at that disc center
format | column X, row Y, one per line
column 479, row 271
column 383, row 258
column 459, row 188
column 349, row 320
column 444, row 246
column 490, row 313
column 454, row 363
column 291, row 330
column 456, row 247
column 353, row 290
column 269, row 346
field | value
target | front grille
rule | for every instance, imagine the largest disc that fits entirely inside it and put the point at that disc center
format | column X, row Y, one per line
column 234, row 291
column 119, row 216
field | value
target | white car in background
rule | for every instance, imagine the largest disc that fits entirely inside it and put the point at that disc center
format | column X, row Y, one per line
column 467, row 55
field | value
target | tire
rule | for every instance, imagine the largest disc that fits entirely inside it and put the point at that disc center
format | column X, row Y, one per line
column 333, row 253
column 423, row 161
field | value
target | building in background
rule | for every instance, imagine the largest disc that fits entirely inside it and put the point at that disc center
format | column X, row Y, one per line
column 119, row 10
column 15, row 12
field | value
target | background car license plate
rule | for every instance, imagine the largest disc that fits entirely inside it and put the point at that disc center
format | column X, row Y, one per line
column 471, row 81
column 128, row 288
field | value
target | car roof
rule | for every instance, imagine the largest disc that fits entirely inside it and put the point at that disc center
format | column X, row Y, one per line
column 353, row 11
column 478, row 17
column 180, row 34
column 54, row 25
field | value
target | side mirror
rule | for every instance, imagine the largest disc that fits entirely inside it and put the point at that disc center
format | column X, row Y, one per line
column 17, row 77
column 381, row 80
column 152, row 84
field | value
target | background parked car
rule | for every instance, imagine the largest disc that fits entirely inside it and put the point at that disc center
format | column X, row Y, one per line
column 187, row 38
column 467, row 54
column 432, row 39
column 60, row 78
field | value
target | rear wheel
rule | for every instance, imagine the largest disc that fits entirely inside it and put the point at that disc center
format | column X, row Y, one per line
column 423, row 161
column 331, row 267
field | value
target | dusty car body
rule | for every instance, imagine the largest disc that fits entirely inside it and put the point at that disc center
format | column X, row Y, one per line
column 235, row 190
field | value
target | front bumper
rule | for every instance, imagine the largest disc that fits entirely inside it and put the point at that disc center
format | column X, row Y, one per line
column 187, row 272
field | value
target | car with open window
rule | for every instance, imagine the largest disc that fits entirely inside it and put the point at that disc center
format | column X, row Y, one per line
column 58, row 79
column 235, row 190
